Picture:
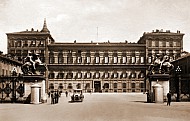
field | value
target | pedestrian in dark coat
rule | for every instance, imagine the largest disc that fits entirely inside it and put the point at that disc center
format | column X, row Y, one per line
column 169, row 98
column 52, row 98
column 55, row 97
column 66, row 93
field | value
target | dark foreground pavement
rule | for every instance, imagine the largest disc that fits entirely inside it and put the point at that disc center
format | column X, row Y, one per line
column 98, row 107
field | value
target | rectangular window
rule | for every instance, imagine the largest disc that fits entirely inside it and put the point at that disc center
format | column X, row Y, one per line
column 124, row 59
column 115, row 60
column 133, row 59
column 167, row 44
column 79, row 75
column 88, row 59
column 97, row 59
column 97, row 75
column 124, row 85
column 149, row 59
column 106, row 59
column 106, row 75
column 128, row 59
column 153, row 44
column 88, row 75
column 60, row 59
column 132, row 85
column 51, row 60
column 51, row 75
column 115, row 85
column 142, row 59
column 174, row 44
column 141, row 85
column 79, row 59
column 160, row 44
column 115, row 75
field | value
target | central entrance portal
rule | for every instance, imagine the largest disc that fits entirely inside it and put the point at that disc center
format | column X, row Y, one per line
column 97, row 86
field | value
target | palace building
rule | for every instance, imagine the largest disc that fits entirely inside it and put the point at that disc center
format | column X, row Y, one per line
column 96, row 67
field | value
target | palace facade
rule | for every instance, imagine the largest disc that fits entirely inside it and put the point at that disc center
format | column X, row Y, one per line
column 96, row 67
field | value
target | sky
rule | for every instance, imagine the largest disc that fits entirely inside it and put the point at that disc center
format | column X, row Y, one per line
column 95, row 20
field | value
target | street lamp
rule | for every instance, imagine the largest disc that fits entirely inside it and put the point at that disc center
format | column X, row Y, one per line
column 178, row 74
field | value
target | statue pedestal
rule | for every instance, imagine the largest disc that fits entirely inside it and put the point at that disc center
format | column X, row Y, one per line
column 163, row 80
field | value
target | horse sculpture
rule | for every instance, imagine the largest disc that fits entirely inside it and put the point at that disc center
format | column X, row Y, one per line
column 32, row 62
column 161, row 65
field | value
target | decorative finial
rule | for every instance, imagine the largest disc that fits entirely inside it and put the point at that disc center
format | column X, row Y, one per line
column 45, row 29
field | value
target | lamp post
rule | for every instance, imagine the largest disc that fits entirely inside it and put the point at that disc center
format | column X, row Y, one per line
column 178, row 72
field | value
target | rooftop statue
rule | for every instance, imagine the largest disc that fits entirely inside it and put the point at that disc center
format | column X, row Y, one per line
column 31, row 63
column 161, row 65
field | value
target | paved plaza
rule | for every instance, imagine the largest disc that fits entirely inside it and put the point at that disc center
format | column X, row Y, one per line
column 98, row 107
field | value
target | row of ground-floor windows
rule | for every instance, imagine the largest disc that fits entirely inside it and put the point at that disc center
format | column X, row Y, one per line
column 97, row 86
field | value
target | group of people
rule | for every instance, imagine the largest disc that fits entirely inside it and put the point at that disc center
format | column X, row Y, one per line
column 55, row 97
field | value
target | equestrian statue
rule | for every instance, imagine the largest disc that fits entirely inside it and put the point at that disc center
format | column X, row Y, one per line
column 161, row 65
column 31, row 63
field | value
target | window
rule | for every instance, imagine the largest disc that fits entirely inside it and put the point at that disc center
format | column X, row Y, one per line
column 51, row 86
column 70, row 75
column 115, row 75
column 141, row 85
column 160, row 44
column 124, row 85
column 97, row 59
column 97, row 75
column 149, row 59
column 106, row 85
column 115, row 60
column 106, row 59
column 19, row 43
column 70, row 86
column 115, row 85
column 70, row 60
column 133, row 75
column 124, row 75
column 79, row 75
column 87, row 86
column 132, row 85
column 51, row 58
column 128, row 59
column 78, row 86
column 174, row 44
column 60, row 75
column 124, row 59
column 88, row 59
column 142, row 59
column 167, row 44
column 60, row 58
column 79, row 59
column 51, row 75
column 41, row 44
column 153, row 44
column 33, row 43
column 133, row 59
column 60, row 86
column 106, row 75
column 88, row 75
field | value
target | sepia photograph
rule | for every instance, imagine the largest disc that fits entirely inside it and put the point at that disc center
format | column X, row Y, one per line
column 94, row 60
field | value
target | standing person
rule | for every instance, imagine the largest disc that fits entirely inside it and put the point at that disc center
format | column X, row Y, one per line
column 55, row 97
column 66, row 93
column 52, row 98
column 169, row 98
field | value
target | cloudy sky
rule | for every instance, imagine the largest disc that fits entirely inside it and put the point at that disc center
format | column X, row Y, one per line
column 117, row 20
